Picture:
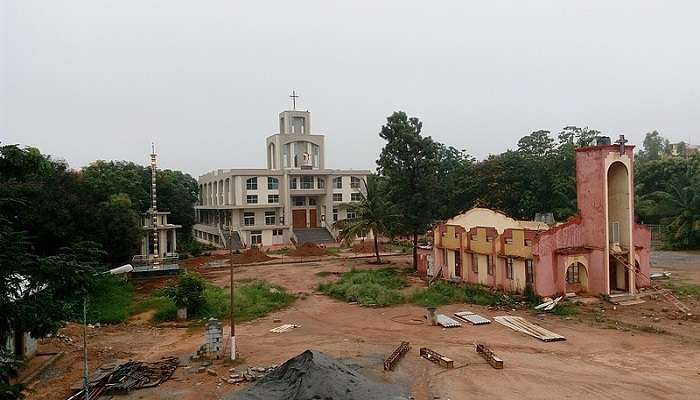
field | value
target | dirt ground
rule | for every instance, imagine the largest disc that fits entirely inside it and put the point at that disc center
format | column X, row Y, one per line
column 643, row 351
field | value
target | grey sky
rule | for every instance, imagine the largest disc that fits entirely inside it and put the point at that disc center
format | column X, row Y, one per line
column 205, row 80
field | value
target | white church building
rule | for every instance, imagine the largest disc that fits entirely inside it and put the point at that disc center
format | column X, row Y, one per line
column 296, row 198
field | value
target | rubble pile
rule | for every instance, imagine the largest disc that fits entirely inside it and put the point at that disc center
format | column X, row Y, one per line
column 315, row 375
column 307, row 250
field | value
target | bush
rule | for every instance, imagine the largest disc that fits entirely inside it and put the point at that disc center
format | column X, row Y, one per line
column 108, row 301
column 368, row 287
column 565, row 309
column 188, row 292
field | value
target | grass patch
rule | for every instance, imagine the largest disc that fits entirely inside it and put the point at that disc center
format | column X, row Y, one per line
column 397, row 248
column 441, row 293
column 323, row 273
column 565, row 309
column 685, row 289
column 109, row 300
column 368, row 287
column 438, row 294
column 254, row 299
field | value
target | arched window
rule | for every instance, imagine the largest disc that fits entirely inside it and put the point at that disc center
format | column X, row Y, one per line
column 354, row 182
column 338, row 182
column 573, row 273
column 251, row 183
column 272, row 183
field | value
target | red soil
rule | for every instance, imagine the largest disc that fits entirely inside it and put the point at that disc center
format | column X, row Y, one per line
column 307, row 250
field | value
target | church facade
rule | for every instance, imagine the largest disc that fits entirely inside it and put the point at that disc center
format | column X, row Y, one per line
column 601, row 250
column 296, row 198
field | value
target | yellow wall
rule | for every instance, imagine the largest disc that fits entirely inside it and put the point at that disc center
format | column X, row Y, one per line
column 517, row 248
column 480, row 245
column 483, row 272
column 449, row 241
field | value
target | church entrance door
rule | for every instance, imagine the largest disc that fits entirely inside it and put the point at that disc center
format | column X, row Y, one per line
column 313, row 218
column 299, row 219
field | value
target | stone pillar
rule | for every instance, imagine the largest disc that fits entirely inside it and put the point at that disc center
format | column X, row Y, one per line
column 174, row 241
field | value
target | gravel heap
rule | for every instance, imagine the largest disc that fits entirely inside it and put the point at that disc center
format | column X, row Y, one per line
column 315, row 375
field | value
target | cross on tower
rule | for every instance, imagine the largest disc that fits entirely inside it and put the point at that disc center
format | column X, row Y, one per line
column 294, row 97
column 621, row 141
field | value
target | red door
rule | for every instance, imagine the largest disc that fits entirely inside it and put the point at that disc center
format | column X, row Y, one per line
column 313, row 220
column 299, row 218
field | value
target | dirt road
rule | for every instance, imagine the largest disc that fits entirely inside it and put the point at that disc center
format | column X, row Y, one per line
column 594, row 362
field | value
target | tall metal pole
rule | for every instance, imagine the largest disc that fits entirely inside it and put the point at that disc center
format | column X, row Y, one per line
column 154, row 207
column 86, row 379
column 233, row 324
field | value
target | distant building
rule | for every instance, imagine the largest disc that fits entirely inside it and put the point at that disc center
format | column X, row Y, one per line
column 599, row 251
column 682, row 149
column 295, row 198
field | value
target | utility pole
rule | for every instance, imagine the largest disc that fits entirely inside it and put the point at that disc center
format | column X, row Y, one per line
column 86, row 378
column 233, row 325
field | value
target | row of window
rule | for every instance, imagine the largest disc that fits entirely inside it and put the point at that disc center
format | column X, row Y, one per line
column 304, row 182
column 271, row 199
column 300, row 201
column 529, row 268
column 272, row 183
column 249, row 218
column 256, row 236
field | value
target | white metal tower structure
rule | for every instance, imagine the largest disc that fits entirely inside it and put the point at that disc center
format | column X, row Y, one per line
column 154, row 208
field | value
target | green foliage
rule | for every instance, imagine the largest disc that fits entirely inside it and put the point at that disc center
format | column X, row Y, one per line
column 368, row 287
column 108, row 301
column 410, row 163
column 373, row 213
column 438, row 294
column 565, row 309
column 323, row 273
column 254, row 299
column 685, row 289
column 676, row 203
column 258, row 298
column 188, row 292
column 531, row 296
column 9, row 366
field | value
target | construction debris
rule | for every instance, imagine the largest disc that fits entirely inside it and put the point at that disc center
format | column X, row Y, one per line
column 284, row 328
column 660, row 275
column 522, row 325
column 213, row 348
column 549, row 304
column 436, row 357
column 447, row 322
column 396, row 356
column 129, row 376
column 490, row 356
column 315, row 375
column 474, row 319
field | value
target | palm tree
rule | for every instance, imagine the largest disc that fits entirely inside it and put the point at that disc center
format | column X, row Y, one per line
column 371, row 214
column 679, row 206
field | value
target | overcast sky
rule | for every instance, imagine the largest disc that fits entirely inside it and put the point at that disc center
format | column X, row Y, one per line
column 205, row 80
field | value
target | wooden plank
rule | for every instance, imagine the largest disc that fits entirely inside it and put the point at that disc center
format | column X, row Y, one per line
column 522, row 325
column 396, row 356
column 490, row 356
column 436, row 358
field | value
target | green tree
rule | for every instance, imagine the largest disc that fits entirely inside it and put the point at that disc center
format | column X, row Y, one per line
column 410, row 162
column 373, row 213
column 655, row 146
column 678, row 206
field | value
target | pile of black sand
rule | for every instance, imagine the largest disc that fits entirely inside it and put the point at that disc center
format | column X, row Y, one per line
column 314, row 375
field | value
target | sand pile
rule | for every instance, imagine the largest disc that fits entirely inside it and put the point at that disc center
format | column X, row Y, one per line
column 366, row 247
column 307, row 250
column 315, row 375
column 251, row 255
